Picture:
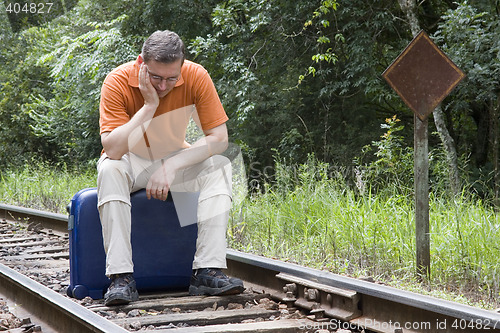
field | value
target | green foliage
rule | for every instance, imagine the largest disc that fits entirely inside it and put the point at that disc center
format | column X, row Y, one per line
column 5, row 27
column 321, row 23
column 386, row 166
column 78, row 66
column 250, row 72
column 256, row 51
column 50, row 98
column 470, row 38
column 21, row 78
column 25, row 14
column 392, row 170
column 189, row 18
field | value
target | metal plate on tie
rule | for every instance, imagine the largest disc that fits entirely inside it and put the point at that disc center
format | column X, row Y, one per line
column 423, row 75
column 320, row 299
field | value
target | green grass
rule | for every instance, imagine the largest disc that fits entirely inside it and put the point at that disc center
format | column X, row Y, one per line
column 43, row 187
column 324, row 224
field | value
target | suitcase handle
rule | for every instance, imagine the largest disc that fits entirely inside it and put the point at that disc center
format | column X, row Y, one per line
column 71, row 217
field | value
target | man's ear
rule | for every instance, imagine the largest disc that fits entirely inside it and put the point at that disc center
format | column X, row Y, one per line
column 140, row 59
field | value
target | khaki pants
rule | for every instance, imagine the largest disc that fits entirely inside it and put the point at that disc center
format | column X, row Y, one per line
column 118, row 178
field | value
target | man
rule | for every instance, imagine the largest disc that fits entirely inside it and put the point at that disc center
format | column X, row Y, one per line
column 144, row 111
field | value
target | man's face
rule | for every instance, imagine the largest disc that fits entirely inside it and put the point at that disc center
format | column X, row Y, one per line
column 164, row 76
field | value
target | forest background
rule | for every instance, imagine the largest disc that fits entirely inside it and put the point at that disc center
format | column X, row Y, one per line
column 295, row 77
column 301, row 83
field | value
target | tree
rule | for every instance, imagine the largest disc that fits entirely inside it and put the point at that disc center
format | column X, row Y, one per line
column 79, row 64
column 21, row 78
column 49, row 97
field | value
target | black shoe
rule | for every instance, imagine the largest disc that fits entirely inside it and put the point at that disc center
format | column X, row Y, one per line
column 122, row 290
column 211, row 281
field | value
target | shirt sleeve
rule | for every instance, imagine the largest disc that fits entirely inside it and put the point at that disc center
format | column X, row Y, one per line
column 208, row 105
column 112, row 108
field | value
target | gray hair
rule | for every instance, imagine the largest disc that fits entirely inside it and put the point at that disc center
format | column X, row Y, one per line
column 163, row 46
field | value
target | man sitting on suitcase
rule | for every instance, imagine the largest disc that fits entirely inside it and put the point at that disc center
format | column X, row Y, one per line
column 144, row 111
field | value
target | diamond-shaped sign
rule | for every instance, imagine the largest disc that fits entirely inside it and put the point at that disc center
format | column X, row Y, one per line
column 423, row 75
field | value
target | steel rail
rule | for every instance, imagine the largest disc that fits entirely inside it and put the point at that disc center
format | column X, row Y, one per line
column 56, row 312
column 379, row 304
column 46, row 219
column 419, row 308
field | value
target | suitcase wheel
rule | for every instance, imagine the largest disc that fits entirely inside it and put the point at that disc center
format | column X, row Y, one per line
column 78, row 292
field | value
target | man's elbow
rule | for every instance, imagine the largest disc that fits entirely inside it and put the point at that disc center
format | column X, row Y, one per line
column 113, row 155
column 112, row 151
column 224, row 143
column 220, row 145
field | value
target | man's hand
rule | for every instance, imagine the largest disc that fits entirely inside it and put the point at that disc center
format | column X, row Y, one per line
column 147, row 90
column 159, row 182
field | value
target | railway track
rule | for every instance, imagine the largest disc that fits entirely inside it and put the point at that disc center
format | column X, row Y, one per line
column 280, row 297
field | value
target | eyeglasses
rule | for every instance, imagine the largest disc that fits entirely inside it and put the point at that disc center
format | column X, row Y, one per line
column 160, row 78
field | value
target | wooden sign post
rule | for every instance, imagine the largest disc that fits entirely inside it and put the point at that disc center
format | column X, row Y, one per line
column 422, row 75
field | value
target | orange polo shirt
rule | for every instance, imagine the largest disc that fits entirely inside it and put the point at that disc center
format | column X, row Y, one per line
column 194, row 95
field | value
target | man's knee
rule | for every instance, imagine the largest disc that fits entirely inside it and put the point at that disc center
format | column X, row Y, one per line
column 216, row 177
column 113, row 180
column 109, row 165
column 220, row 161
column 114, row 169
column 219, row 165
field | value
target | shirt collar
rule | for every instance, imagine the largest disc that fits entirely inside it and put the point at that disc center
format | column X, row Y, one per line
column 133, row 79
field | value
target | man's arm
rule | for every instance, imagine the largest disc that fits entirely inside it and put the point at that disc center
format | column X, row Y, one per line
column 116, row 143
column 214, row 142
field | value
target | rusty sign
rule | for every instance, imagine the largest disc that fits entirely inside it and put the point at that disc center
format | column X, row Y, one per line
column 423, row 75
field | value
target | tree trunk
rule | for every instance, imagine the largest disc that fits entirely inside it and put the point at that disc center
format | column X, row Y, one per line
column 409, row 8
column 495, row 113
column 449, row 147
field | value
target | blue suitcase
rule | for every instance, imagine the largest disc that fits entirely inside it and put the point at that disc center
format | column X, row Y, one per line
column 162, row 250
